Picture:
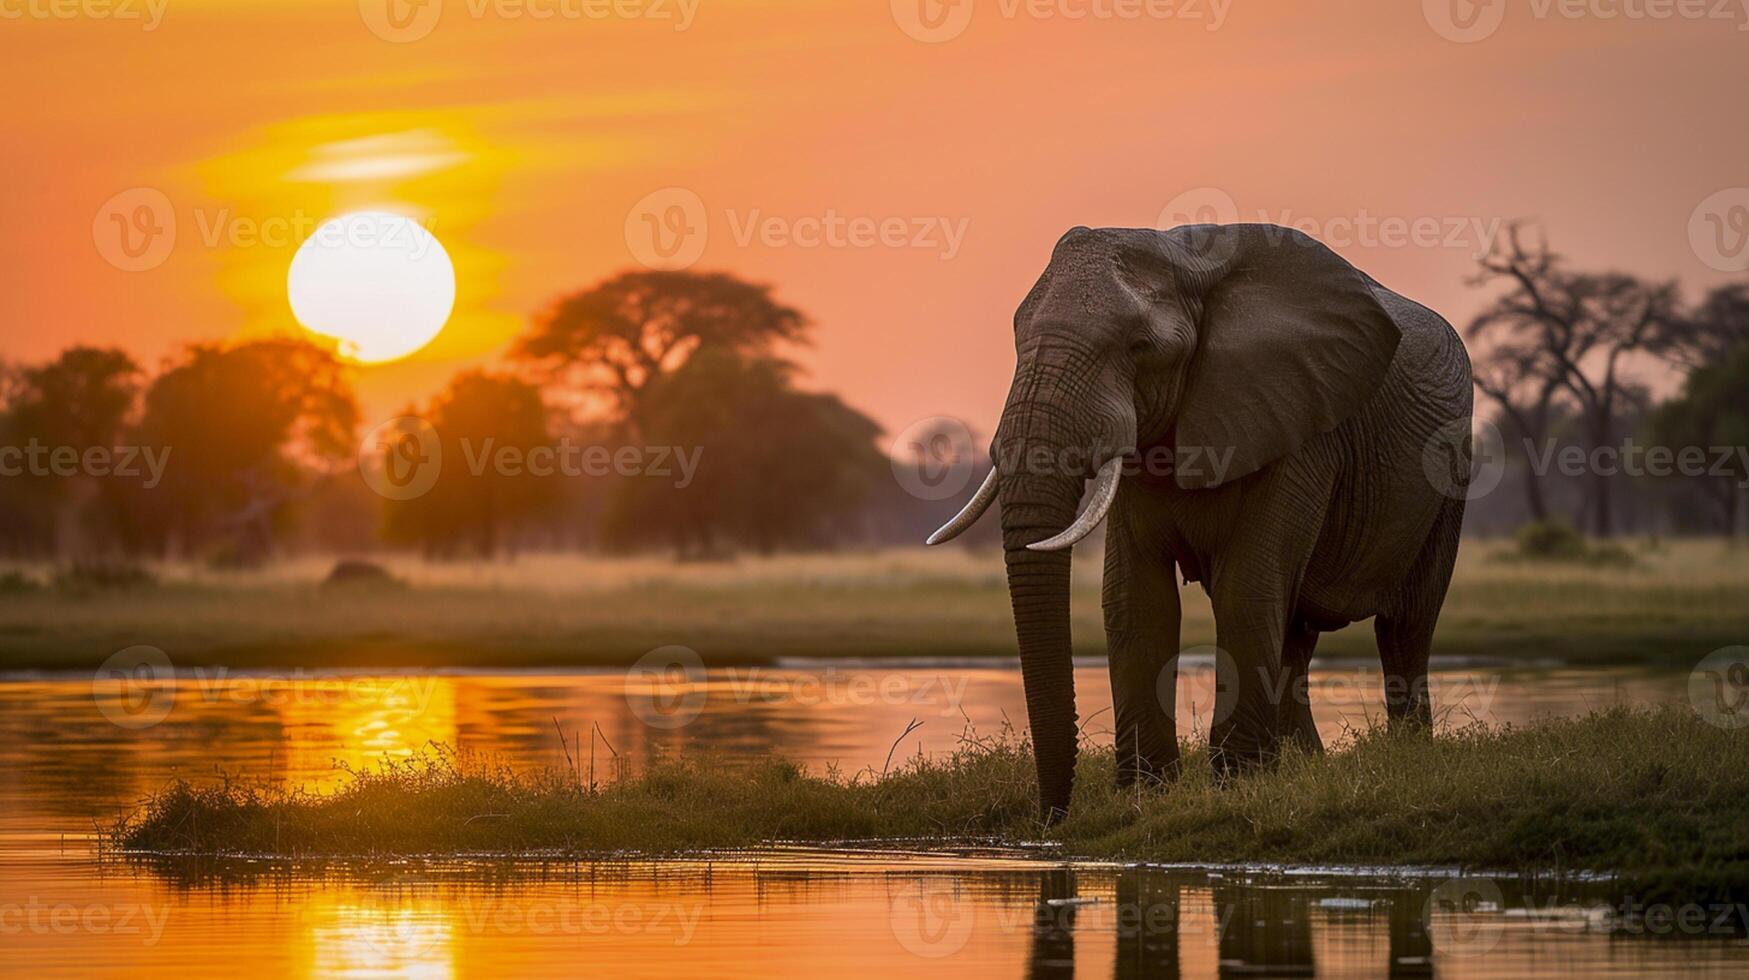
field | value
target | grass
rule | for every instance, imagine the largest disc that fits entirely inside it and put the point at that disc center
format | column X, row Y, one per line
column 1655, row 794
column 1675, row 604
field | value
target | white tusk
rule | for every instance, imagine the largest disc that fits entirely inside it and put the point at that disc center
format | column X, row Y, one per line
column 1104, row 492
column 969, row 514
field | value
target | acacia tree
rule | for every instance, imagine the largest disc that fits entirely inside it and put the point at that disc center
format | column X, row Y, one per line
column 616, row 338
column 1557, row 334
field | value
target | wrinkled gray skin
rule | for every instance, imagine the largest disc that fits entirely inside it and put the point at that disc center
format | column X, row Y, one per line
column 1325, row 392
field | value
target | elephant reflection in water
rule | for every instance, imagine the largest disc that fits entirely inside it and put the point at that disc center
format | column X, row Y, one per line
column 1261, row 931
column 1147, row 927
column 1264, row 932
column 1052, row 954
column 1268, row 931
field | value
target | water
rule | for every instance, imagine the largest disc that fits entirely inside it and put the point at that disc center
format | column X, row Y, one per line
column 74, row 754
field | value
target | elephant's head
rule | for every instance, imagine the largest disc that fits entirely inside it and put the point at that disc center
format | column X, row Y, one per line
column 1230, row 346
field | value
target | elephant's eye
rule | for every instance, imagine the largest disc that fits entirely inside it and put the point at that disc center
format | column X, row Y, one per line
column 1141, row 347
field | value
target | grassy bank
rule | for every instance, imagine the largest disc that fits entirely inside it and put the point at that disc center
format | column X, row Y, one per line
column 1655, row 794
column 1673, row 606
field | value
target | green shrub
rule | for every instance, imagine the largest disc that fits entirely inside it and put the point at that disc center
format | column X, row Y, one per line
column 1551, row 541
column 1556, row 541
column 17, row 583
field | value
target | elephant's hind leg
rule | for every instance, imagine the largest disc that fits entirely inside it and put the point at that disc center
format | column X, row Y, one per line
column 1141, row 631
column 1406, row 636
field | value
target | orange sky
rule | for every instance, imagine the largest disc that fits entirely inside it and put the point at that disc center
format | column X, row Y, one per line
column 526, row 142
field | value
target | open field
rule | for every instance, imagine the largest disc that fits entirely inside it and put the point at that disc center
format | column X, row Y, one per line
column 1680, row 601
column 1656, row 795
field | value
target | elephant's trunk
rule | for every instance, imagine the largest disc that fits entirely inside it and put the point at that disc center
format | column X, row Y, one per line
column 1035, row 507
column 1044, row 455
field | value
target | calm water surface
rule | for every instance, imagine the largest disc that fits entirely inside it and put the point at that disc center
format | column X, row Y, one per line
column 74, row 753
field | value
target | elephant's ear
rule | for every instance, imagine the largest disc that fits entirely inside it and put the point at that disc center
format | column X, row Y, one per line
column 1291, row 342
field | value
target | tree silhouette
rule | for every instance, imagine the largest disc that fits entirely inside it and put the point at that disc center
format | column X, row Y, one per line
column 486, row 425
column 617, row 337
column 1713, row 411
column 1574, row 336
column 778, row 467
column 80, row 401
column 246, row 426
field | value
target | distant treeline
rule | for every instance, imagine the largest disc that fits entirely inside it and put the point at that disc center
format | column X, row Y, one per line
column 655, row 410
column 651, row 411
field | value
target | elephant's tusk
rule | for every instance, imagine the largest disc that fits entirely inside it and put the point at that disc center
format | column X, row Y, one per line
column 1104, row 492
column 969, row 514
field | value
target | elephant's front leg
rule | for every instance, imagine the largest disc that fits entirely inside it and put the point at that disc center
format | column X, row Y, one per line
column 1141, row 632
column 1255, row 587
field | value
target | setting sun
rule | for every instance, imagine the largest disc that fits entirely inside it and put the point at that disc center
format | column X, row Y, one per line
column 375, row 281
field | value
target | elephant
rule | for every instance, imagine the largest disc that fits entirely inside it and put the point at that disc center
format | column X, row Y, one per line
column 1258, row 414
